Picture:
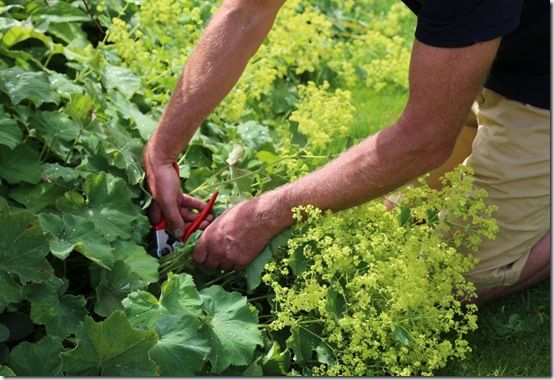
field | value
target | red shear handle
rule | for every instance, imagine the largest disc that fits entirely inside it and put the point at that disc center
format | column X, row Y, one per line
column 195, row 225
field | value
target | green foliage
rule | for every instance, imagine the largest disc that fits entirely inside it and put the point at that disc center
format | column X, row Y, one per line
column 369, row 292
column 110, row 348
column 80, row 295
column 37, row 359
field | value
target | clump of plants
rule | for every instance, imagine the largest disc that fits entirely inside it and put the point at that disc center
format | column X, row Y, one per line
column 368, row 292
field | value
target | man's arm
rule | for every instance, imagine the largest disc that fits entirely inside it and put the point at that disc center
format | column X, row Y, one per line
column 233, row 35
column 443, row 84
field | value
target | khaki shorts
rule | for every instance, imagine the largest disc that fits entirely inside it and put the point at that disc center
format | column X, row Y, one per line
column 511, row 158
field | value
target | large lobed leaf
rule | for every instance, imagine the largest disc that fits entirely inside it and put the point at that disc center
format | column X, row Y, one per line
column 179, row 297
column 23, row 248
column 231, row 327
column 59, row 312
column 77, row 233
column 19, row 85
column 108, row 205
column 110, row 348
column 37, row 359
column 133, row 269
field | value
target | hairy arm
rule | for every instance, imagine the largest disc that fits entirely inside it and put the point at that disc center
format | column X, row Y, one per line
column 443, row 85
column 233, row 35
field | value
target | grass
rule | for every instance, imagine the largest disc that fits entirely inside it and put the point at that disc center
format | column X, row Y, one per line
column 374, row 111
column 513, row 338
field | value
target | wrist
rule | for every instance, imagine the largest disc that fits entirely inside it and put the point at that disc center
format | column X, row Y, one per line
column 155, row 155
column 274, row 208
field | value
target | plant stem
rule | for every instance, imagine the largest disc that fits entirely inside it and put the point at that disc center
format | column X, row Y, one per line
column 227, row 274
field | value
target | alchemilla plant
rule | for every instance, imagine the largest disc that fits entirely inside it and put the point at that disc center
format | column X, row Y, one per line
column 368, row 292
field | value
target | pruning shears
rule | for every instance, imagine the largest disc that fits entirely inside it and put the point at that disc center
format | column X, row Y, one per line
column 164, row 242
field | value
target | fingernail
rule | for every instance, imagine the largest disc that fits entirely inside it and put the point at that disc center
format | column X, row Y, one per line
column 178, row 233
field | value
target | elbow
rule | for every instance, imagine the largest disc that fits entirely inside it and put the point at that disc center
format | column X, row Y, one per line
column 437, row 150
column 430, row 148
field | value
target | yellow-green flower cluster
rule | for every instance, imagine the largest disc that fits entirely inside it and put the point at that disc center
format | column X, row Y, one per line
column 157, row 42
column 322, row 115
column 381, row 294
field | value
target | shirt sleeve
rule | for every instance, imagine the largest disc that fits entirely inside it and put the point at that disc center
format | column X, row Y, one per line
column 459, row 23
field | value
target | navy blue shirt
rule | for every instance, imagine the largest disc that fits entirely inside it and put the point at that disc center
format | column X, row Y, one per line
column 521, row 70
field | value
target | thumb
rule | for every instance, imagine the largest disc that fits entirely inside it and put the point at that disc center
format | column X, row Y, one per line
column 200, row 251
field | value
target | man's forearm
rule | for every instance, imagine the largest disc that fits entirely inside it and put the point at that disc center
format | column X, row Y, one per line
column 231, row 38
column 443, row 84
column 376, row 166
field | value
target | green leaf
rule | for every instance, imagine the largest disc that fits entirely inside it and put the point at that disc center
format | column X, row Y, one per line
column 19, row 85
column 254, row 270
column 140, row 264
column 36, row 198
column 298, row 262
column 59, row 12
column 4, row 333
column 405, row 217
column 254, row 369
column 121, row 78
column 59, row 313
column 79, row 107
column 37, row 359
column 56, row 130
column 108, row 205
column 64, row 86
column 21, row 164
column 11, row 291
column 20, row 33
column 110, row 348
column 55, row 172
column 267, row 157
column 133, row 269
column 335, row 302
column 181, row 351
column 280, row 240
column 178, row 297
column 10, row 134
column 275, row 362
column 144, row 123
column 77, row 233
column 254, row 134
column 23, row 247
column 6, row 371
column 401, row 335
column 302, row 343
column 231, row 326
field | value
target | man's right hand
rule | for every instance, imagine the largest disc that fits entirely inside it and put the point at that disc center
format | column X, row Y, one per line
column 167, row 198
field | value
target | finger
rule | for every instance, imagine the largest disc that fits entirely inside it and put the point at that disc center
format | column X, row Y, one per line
column 211, row 262
column 188, row 216
column 154, row 213
column 200, row 251
column 170, row 211
column 191, row 202
column 204, row 224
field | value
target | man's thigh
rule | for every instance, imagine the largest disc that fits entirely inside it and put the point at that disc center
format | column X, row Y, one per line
column 511, row 159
